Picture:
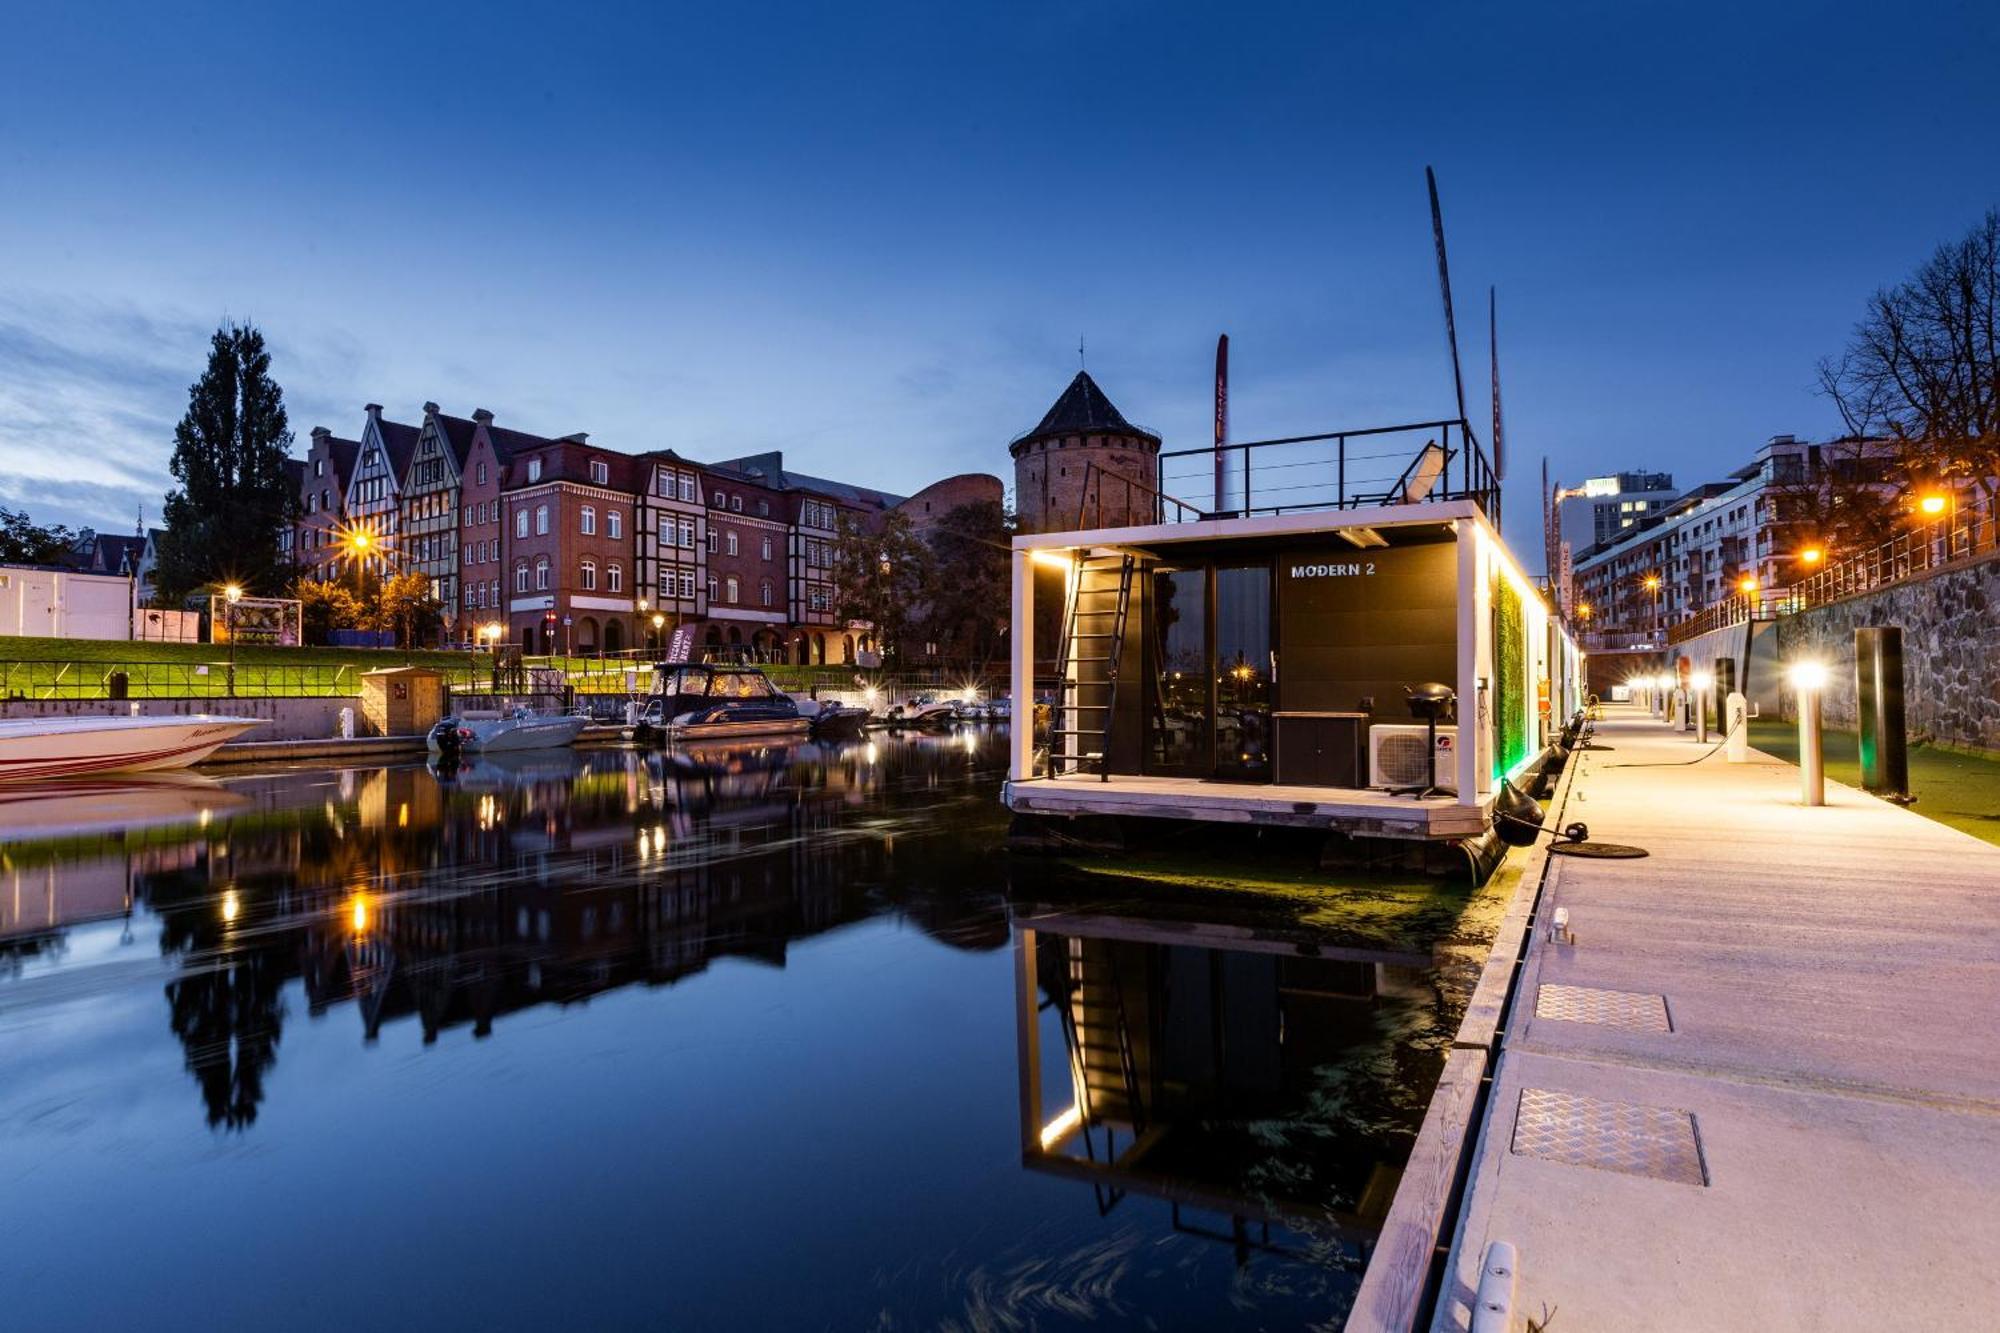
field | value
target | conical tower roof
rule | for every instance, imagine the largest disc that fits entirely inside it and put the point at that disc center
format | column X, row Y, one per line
column 1084, row 410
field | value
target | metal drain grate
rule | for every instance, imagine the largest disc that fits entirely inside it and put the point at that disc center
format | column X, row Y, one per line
column 1650, row 1141
column 1612, row 1008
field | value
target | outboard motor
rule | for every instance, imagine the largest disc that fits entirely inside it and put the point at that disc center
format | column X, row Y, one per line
column 447, row 741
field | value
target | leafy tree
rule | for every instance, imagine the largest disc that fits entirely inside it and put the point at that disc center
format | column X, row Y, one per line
column 968, row 590
column 235, row 494
column 883, row 572
column 325, row 607
column 23, row 542
column 402, row 604
column 1923, row 366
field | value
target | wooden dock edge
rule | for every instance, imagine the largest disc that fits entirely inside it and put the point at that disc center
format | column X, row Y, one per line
column 1398, row 1286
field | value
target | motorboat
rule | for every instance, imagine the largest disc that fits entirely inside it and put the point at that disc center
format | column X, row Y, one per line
column 715, row 700
column 923, row 710
column 834, row 720
column 488, row 731
column 58, row 747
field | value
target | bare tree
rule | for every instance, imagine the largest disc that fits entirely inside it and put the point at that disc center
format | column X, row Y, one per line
column 1923, row 366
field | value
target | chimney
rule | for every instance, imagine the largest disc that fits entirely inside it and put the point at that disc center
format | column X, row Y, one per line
column 374, row 411
column 482, row 416
column 320, row 433
column 430, row 409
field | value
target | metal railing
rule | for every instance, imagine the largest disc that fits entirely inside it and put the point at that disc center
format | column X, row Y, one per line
column 1338, row 470
column 1959, row 536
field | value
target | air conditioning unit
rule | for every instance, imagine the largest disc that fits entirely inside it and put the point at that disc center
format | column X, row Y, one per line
column 1396, row 755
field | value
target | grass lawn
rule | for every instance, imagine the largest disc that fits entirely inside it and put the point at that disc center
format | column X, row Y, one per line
column 41, row 668
column 1961, row 790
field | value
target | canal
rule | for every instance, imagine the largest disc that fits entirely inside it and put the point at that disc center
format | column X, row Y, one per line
column 772, row 1036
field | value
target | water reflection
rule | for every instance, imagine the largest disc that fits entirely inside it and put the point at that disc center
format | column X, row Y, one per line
column 1209, row 1109
column 457, row 894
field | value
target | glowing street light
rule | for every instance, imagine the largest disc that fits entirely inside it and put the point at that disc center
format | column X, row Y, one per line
column 1747, row 585
column 1809, row 679
column 1933, row 504
column 1812, row 555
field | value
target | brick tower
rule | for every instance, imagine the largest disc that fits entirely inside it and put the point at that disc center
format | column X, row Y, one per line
column 1083, row 437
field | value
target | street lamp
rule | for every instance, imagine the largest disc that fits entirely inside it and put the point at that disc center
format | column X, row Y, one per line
column 1653, row 587
column 232, row 594
column 1933, row 504
column 1809, row 679
column 659, row 624
column 1812, row 555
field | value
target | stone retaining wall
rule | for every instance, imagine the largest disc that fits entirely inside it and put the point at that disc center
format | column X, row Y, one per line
column 1951, row 652
column 285, row 719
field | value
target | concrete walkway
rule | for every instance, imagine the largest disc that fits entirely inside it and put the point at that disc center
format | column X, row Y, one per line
column 1761, row 1089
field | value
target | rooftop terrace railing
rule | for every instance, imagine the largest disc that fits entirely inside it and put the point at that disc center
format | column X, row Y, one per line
column 1416, row 463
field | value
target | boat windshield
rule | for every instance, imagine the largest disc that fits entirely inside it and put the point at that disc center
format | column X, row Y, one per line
column 741, row 685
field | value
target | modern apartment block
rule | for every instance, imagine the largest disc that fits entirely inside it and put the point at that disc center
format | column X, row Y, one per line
column 1702, row 547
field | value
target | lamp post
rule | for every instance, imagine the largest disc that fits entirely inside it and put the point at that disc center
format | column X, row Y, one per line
column 1809, row 679
column 1653, row 587
column 231, row 595
column 659, row 625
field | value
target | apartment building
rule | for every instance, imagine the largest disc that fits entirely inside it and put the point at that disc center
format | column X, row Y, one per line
column 329, row 464
column 571, row 547
column 429, row 504
column 375, row 489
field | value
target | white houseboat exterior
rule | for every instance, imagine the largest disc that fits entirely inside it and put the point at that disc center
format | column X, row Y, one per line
column 1256, row 666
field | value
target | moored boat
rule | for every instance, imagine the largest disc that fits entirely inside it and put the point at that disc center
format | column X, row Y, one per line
column 56, row 747
column 702, row 701
column 491, row 732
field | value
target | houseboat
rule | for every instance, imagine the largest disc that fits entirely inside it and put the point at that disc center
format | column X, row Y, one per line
column 1310, row 648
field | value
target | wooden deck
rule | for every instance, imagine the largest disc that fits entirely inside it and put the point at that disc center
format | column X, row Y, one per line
column 1757, row 1088
column 1349, row 810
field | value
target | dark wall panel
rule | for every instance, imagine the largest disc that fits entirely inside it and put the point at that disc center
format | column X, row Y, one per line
column 1358, row 624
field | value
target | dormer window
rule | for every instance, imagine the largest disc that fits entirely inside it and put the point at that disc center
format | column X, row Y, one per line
column 600, row 472
column 722, row 499
column 736, row 503
column 534, row 469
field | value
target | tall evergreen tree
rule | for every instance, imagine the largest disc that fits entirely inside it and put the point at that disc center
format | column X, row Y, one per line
column 223, row 521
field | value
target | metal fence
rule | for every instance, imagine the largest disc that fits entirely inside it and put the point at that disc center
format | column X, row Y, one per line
column 1966, row 532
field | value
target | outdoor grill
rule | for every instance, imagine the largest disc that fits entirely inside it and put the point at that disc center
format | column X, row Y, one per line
column 1430, row 703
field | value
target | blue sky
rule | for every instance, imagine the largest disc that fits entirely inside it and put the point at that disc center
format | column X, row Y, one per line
column 871, row 235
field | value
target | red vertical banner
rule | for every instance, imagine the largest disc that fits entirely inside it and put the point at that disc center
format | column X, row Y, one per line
column 1221, row 418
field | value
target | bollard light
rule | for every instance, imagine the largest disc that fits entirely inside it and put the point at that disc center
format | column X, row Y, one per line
column 1809, row 679
column 1702, row 682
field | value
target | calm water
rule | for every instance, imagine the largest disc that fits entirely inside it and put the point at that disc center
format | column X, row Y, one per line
column 767, row 1037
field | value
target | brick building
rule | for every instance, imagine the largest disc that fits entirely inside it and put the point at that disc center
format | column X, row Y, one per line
column 1080, row 436
column 429, row 506
column 570, row 547
column 672, row 546
column 329, row 464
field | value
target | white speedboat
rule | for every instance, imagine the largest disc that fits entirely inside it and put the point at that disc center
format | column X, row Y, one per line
column 60, row 747
column 489, row 731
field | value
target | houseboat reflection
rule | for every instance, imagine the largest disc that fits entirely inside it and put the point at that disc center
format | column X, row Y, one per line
column 1215, row 1069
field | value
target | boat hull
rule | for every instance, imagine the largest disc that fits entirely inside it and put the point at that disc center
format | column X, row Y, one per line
column 768, row 726
column 39, row 748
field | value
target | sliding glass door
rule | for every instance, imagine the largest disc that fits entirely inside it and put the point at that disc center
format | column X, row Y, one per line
column 1210, row 671
column 1177, row 743
column 1243, row 671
